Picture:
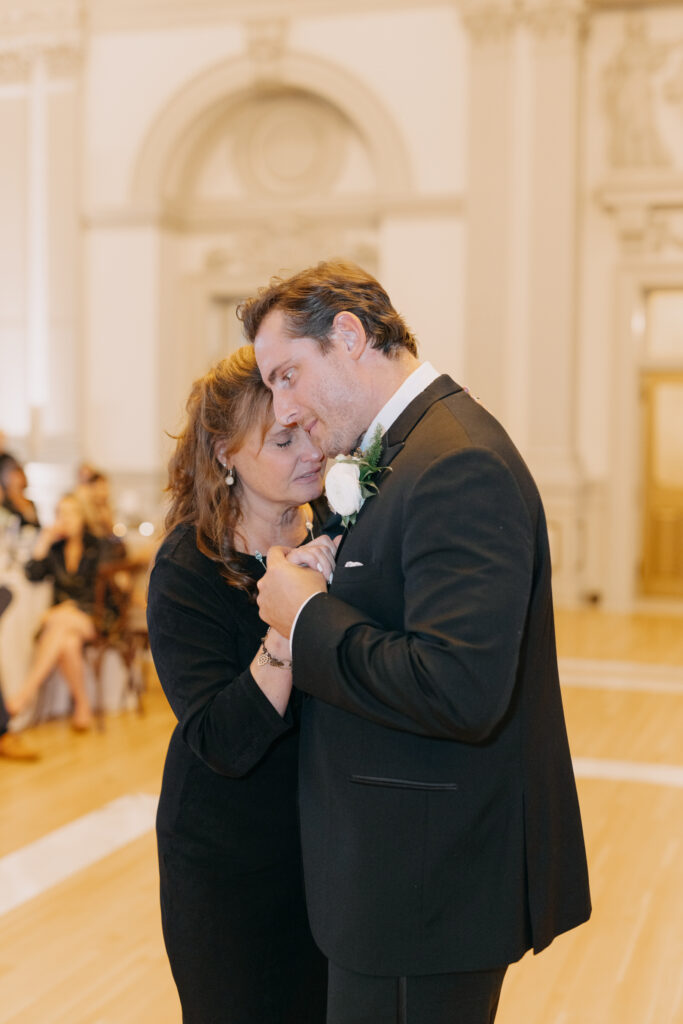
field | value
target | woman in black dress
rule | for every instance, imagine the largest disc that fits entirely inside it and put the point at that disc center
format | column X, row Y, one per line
column 232, row 900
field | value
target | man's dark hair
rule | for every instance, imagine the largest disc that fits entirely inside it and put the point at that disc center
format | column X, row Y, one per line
column 311, row 299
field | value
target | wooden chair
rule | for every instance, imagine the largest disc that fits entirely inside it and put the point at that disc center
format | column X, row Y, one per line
column 120, row 625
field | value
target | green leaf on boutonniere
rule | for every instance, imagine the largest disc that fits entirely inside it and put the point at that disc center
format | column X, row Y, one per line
column 349, row 482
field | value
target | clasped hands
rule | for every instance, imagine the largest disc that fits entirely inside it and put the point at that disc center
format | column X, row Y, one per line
column 293, row 575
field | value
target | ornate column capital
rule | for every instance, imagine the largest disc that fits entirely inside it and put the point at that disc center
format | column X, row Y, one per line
column 489, row 21
column 15, row 66
column 553, row 20
column 31, row 29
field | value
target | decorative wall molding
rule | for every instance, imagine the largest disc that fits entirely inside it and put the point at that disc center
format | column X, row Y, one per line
column 253, row 251
column 266, row 39
column 165, row 144
column 218, row 217
column 288, row 145
column 647, row 211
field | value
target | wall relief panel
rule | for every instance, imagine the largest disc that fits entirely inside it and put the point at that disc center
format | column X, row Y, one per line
column 644, row 76
column 288, row 146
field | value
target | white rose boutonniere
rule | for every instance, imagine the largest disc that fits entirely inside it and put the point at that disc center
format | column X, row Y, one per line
column 348, row 483
column 342, row 487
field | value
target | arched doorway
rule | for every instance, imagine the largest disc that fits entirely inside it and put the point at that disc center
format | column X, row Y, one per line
column 247, row 176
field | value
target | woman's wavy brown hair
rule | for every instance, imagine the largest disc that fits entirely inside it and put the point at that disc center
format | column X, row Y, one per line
column 224, row 406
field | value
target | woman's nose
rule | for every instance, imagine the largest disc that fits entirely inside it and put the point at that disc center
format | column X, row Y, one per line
column 312, row 452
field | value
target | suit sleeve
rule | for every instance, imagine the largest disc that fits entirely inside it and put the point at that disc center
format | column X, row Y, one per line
column 224, row 716
column 467, row 559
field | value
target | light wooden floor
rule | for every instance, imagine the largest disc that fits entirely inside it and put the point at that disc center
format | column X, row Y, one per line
column 89, row 950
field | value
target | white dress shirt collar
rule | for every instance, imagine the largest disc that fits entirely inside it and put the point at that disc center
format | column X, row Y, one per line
column 412, row 386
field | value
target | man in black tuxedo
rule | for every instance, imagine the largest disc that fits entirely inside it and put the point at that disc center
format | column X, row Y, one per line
column 440, row 821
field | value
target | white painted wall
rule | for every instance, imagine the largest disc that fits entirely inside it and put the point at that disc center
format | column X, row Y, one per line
column 121, row 380
column 130, row 76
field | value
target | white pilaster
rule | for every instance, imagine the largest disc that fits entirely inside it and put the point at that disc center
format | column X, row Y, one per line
column 522, row 207
column 37, row 314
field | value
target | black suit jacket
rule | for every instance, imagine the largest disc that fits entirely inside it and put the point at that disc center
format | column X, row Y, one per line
column 440, row 820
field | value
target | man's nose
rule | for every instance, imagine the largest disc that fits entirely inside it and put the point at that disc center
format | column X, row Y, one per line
column 285, row 410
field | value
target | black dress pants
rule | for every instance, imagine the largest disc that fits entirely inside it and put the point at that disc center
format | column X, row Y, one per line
column 463, row 998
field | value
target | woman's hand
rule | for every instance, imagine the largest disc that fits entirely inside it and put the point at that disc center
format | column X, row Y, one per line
column 318, row 554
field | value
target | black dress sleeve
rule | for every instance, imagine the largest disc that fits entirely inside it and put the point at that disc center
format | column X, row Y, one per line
column 196, row 633
column 37, row 569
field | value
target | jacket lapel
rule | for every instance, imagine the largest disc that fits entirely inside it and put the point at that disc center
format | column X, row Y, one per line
column 396, row 436
column 399, row 430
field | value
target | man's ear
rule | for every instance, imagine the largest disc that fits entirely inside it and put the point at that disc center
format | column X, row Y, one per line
column 349, row 331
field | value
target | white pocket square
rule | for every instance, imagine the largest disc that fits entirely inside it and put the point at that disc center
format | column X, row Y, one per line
column 352, row 565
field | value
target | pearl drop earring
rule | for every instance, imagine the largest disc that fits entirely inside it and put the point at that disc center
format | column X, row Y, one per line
column 229, row 478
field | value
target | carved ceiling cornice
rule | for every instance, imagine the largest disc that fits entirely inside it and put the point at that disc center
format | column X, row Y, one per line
column 106, row 15
column 30, row 19
column 631, row 5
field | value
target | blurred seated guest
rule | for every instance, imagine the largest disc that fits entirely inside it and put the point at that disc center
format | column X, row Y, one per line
column 69, row 554
column 95, row 498
column 13, row 484
column 84, row 474
column 12, row 745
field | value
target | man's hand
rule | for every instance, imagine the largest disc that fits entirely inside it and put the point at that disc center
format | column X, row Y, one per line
column 284, row 588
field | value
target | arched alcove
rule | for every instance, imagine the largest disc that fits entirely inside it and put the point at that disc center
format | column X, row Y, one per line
column 176, row 131
column 250, row 171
